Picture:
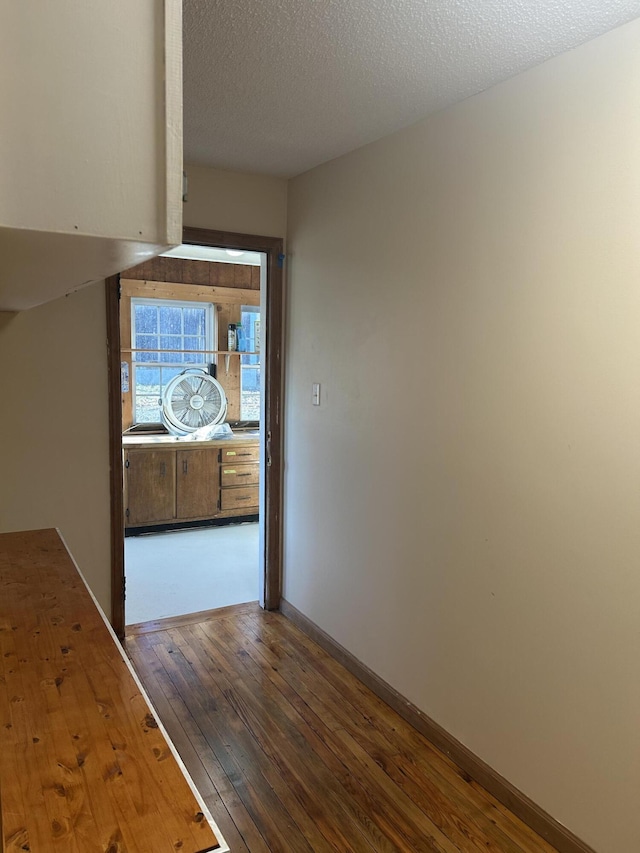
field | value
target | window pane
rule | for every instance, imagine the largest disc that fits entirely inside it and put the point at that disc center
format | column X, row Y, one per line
column 250, row 394
column 146, row 319
column 145, row 342
column 172, row 327
column 250, row 323
column 148, row 381
column 194, row 321
column 147, row 409
column 193, row 357
column 167, row 374
column 174, row 343
column 170, row 320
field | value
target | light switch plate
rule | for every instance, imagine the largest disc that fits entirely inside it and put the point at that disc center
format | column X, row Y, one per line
column 315, row 393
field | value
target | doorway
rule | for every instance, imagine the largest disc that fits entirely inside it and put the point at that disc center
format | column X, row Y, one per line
column 267, row 439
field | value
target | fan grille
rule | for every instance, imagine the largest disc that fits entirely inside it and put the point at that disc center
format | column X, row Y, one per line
column 195, row 401
column 192, row 401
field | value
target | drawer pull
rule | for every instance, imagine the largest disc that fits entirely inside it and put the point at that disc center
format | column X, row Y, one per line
column 245, row 498
column 244, row 454
column 248, row 474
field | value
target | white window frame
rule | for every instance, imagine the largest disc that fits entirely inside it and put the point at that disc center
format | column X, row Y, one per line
column 210, row 340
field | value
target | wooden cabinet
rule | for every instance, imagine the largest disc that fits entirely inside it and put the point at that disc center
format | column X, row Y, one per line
column 166, row 485
column 239, row 484
column 150, row 477
column 197, row 484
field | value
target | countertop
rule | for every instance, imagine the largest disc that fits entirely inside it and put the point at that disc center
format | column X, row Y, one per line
column 84, row 762
column 157, row 441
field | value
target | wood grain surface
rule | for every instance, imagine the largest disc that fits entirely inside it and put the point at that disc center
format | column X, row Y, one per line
column 295, row 755
column 84, row 764
column 197, row 272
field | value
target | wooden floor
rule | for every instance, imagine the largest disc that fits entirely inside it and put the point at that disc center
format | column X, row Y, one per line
column 292, row 753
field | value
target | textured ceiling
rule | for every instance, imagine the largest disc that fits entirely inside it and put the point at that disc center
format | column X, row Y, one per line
column 279, row 86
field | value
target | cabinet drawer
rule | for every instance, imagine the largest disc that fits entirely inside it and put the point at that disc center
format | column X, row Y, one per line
column 239, row 498
column 240, row 454
column 239, row 475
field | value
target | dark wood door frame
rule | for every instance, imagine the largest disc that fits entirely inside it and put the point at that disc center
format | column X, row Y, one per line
column 273, row 331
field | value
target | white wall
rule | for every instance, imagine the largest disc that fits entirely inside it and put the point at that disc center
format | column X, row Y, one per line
column 54, row 449
column 462, row 510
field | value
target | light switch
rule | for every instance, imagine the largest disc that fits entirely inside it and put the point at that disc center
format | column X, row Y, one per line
column 315, row 393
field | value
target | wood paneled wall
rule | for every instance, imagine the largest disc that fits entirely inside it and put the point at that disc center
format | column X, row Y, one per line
column 197, row 272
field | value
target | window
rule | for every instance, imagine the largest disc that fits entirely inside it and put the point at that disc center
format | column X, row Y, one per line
column 173, row 336
column 250, row 364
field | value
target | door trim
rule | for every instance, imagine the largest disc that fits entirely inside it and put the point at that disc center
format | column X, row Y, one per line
column 273, row 247
column 116, row 473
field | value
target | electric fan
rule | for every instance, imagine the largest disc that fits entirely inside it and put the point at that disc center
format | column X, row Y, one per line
column 192, row 400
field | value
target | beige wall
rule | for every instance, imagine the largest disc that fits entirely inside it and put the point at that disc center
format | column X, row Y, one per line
column 233, row 201
column 53, row 385
column 54, row 427
column 462, row 510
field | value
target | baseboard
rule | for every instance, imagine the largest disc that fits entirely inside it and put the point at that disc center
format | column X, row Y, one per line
column 546, row 826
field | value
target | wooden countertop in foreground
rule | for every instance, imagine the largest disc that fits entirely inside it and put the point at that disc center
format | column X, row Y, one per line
column 84, row 765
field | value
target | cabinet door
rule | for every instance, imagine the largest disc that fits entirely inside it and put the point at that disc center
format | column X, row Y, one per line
column 198, row 483
column 151, row 486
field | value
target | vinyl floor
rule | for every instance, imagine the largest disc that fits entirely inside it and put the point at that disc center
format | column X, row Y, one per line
column 184, row 571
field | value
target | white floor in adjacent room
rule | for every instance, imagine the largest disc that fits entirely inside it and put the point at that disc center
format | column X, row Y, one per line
column 185, row 571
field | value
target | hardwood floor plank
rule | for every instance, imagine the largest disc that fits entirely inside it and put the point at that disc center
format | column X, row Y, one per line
column 352, row 795
column 298, row 769
column 311, row 708
column 219, row 794
column 440, row 800
column 527, row 838
column 155, row 625
column 439, row 806
column 406, row 832
column 413, row 745
column 242, row 763
column 295, row 755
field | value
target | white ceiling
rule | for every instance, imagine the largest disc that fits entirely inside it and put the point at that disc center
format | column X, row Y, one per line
column 279, row 86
